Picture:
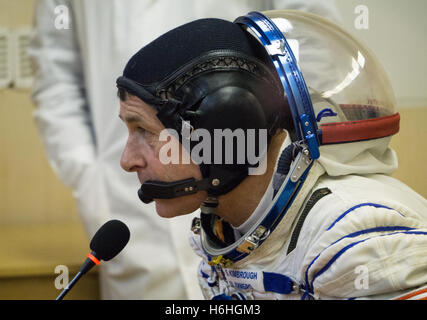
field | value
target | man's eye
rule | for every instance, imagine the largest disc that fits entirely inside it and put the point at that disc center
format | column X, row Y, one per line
column 146, row 133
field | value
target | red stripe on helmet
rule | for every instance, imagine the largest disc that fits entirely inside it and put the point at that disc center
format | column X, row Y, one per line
column 350, row 131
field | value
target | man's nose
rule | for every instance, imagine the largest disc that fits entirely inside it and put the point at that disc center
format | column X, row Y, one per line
column 131, row 158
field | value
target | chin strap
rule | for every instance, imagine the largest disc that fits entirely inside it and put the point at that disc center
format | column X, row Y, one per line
column 167, row 190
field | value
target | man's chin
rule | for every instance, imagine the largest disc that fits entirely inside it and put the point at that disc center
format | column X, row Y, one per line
column 169, row 208
column 166, row 209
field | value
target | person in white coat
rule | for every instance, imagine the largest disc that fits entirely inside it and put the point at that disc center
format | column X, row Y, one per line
column 322, row 218
column 78, row 48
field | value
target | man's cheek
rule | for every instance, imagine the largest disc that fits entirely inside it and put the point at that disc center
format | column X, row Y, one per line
column 168, row 152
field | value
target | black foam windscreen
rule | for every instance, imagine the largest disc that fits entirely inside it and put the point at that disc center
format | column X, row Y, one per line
column 110, row 239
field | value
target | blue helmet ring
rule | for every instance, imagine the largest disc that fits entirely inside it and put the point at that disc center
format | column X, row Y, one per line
column 290, row 76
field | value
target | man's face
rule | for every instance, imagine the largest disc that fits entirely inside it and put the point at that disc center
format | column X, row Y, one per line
column 141, row 155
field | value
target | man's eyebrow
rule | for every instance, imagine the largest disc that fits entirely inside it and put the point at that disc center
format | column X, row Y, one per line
column 131, row 118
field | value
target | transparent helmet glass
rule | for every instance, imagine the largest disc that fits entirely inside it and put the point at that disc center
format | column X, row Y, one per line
column 346, row 82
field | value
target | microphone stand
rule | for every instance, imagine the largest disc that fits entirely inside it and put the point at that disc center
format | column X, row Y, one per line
column 87, row 265
column 69, row 286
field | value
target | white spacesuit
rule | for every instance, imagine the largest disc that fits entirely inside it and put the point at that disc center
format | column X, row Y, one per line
column 352, row 231
column 365, row 237
column 79, row 48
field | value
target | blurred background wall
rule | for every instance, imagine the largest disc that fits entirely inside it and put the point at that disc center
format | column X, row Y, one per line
column 39, row 223
column 29, row 190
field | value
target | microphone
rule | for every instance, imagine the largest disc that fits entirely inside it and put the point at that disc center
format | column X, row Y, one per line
column 107, row 242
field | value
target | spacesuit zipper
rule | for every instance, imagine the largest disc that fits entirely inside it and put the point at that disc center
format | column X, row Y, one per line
column 316, row 196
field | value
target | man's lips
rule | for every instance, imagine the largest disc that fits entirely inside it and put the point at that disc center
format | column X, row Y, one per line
column 142, row 179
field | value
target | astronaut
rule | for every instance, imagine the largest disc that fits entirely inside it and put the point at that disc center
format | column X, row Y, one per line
column 324, row 220
column 79, row 47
